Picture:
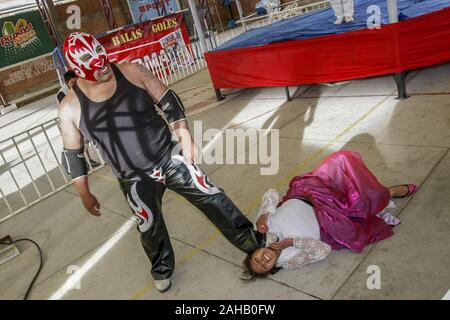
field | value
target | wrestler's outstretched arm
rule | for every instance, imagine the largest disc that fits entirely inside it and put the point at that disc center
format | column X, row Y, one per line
column 168, row 101
column 74, row 146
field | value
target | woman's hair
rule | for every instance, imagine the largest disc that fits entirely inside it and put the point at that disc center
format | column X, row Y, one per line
column 248, row 267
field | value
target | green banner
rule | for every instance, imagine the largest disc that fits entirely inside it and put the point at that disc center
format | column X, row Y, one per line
column 23, row 36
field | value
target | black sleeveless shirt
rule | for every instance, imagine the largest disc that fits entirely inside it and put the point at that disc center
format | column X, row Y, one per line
column 130, row 134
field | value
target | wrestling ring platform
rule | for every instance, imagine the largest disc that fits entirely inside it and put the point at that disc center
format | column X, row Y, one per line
column 311, row 49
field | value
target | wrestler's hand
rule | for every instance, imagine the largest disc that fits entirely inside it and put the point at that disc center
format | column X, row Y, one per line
column 283, row 244
column 91, row 204
column 190, row 149
column 261, row 223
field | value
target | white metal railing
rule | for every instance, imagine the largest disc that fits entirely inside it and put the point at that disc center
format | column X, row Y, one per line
column 175, row 65
column 31, row 169
column 291, row 9
column 172, row 66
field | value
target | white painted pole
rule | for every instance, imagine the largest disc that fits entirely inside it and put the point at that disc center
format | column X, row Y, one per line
column 3, row 101
column 198, row 26
column 241, row 13
column 393, row 11
column 178, row 4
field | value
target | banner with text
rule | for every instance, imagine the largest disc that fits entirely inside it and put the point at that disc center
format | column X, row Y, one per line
column 145, row 41
column 144, row 10
column 17, row 81
column 23, row 37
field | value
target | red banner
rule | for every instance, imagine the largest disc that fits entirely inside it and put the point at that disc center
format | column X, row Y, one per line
column 143, row 41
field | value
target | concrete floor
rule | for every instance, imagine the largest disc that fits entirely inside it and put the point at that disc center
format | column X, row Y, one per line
column 401, row 141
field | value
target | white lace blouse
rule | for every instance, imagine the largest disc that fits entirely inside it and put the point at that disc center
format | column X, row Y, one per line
column 294, row 219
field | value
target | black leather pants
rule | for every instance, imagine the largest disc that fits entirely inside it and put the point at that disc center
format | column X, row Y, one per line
column 144, row 194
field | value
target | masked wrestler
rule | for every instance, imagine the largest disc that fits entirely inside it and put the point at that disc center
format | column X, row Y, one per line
column 115, row 106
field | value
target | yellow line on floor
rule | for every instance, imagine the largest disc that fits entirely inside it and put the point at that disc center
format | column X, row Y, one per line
column 254, row 204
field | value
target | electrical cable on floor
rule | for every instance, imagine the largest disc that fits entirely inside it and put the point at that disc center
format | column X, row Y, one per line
column 40, row 262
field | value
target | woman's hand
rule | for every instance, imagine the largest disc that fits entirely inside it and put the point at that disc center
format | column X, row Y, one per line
column 283, row 244
column 261, row 223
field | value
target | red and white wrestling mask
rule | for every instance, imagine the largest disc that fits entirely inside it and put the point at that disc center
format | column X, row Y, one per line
column 85, row 55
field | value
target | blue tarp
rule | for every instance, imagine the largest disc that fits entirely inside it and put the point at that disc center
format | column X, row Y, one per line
column 321, row 23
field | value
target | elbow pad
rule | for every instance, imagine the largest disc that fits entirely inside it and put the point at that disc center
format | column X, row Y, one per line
column 74, row 162
column 172, row 107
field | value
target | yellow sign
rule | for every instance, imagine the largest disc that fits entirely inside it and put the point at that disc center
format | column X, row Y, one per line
column 162, row 26
column 127, row 37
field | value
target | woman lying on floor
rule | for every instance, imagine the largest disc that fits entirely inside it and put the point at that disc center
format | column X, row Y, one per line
column 338, row 205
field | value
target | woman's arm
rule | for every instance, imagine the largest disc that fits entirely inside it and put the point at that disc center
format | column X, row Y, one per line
column 310, row 250
column 268, row 207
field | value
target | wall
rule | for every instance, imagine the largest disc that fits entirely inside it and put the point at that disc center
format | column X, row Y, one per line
column 21, row 79
column 93, row 19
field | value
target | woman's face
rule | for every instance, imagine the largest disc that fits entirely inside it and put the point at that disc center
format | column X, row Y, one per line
column 263, row 260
